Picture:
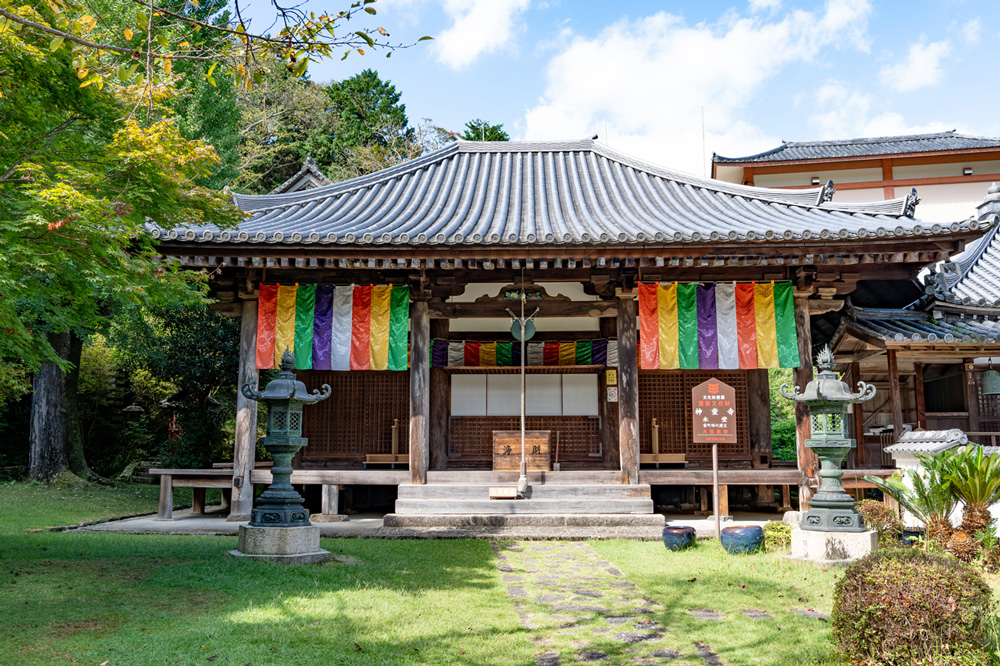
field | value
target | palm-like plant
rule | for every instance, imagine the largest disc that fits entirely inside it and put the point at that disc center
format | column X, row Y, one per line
column 928, row 496
column 975, row 479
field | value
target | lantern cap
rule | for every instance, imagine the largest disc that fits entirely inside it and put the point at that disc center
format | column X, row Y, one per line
column 285, row 386
column 827, row 387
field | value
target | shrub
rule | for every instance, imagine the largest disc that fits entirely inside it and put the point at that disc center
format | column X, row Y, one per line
column 882, row 519
column 777, row 535
column 911, row 607
column 783, row 445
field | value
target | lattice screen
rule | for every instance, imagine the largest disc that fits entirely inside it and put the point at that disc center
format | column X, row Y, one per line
column 357, row 418
column 666, row 396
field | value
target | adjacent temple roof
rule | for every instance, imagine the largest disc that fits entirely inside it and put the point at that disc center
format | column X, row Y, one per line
column 928, row 442
column 914, row 328
column 883, row 145
column 307, row 178
column 972, row 278
column 530, row 193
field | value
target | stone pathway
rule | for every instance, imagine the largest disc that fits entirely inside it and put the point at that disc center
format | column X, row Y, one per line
column 568, row 595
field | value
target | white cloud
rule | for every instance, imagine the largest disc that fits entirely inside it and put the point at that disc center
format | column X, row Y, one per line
column 922, row 67
column 849, row 116
column 478, row 27
column 761, row 5
column 650, row 78
column 971, row 31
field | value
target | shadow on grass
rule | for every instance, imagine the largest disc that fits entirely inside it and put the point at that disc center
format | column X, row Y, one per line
column 134, row 599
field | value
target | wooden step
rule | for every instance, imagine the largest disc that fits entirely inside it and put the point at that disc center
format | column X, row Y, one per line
column 581, row 521
column 525, row 506
column 539, row 491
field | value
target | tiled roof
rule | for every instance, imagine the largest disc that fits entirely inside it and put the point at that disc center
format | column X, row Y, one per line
column 912, row 326
column 928, row 441
column 487, row 193
column 307, row 178
column 972, row 277
column 883, row 145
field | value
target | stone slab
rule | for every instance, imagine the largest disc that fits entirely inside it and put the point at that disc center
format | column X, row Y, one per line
column 328, row 518
column 832, row 547
column 298, row 558
column 278, row 540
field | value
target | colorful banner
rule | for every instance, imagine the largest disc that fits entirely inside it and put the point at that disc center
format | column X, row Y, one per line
column 328, row 327
column 502, row 354
column 717, row 326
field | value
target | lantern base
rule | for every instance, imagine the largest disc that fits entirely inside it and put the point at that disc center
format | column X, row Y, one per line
column 281, row 545
column 833, row 520
column 832, row 547
column 279, row 516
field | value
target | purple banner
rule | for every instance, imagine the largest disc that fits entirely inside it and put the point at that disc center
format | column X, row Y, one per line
column 708, row 335
column 599, row 352
column 322, row 327
column 439, row 353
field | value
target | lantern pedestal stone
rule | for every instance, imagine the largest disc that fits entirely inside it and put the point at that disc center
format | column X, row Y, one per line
column 281, row 545
column 832, row 547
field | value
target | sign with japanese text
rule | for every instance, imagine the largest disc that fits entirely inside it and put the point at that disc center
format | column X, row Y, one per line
column 507, row 450
column 713, row 412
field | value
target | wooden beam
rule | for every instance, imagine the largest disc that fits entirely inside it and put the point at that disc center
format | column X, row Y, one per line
column 439, row 310
column 729, row 477
column 859, row 416
column 802, row 375
column 918, row 393
column 419, row 392
column 245, row 445
column 628, row 389
column 894, row 393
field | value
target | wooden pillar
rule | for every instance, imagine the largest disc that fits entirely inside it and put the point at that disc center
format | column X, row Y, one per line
column 246, row 418
column 918, row 395
column 971, row 396
column 609, row 410
column 628, row 390
column 759, row 407
column 419, row 391
column 894, row 394
column 859, row 416
column 330, row 505
column 440, row 403
column 801, row 376
column 166, row 508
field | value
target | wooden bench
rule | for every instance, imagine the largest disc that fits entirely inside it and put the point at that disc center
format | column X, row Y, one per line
column 198, row 480
column 394, row 458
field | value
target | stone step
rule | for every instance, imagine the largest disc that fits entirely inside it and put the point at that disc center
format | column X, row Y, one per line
column 527, row 533
column 553, row 506
column 649, row 521
column 568, row 477
column 537, row 491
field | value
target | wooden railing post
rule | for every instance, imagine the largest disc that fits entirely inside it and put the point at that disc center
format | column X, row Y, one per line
column 628, row 389
column 420, row 365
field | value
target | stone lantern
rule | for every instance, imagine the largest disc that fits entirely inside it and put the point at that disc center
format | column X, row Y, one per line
column 279, row 528
column 831, row 509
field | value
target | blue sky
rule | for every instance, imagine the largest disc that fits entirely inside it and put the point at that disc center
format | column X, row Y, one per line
column 640, row 73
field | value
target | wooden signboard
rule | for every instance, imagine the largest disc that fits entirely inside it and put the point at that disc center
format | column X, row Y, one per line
column 507, row 450
column 713, row 412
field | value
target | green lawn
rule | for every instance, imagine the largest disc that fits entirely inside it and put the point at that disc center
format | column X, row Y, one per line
column 90, row 598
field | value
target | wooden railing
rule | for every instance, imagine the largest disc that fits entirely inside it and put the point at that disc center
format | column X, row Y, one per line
column 985, row 438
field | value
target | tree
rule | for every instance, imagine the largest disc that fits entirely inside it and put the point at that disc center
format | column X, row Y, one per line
column 155, row 36
column 77, row 186
column 481, row 130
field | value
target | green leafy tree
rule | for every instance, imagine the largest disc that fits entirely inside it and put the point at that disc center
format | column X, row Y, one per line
column 370, row 112
column 481, row 130
column 975, row 479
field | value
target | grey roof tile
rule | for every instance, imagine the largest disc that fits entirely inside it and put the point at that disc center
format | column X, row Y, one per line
column 919, row 326
column 883, row 145
column 487, row 193
column 928, row 441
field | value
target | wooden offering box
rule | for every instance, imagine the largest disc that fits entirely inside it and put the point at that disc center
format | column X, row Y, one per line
column 507, row 450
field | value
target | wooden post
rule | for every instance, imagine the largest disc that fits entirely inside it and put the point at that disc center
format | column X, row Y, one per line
column 246, row 418
column 198, row 501
column 859, row 416
column 759, row 408
column 971, row 396
column 440, row 403
column 330, row 505
column 703, row 498
column 786, row 498
column 715, row 491
column 419, row 391
column 628, row 389
column 918, row 394
column 894, row 395
column 801, row 376
column 608, row 327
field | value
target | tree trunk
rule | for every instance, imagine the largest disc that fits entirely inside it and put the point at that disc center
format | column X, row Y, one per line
column 47, row 456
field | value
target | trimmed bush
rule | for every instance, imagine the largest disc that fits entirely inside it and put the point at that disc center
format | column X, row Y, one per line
column 882, row 519
column 777, row 535
column 911, row 607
